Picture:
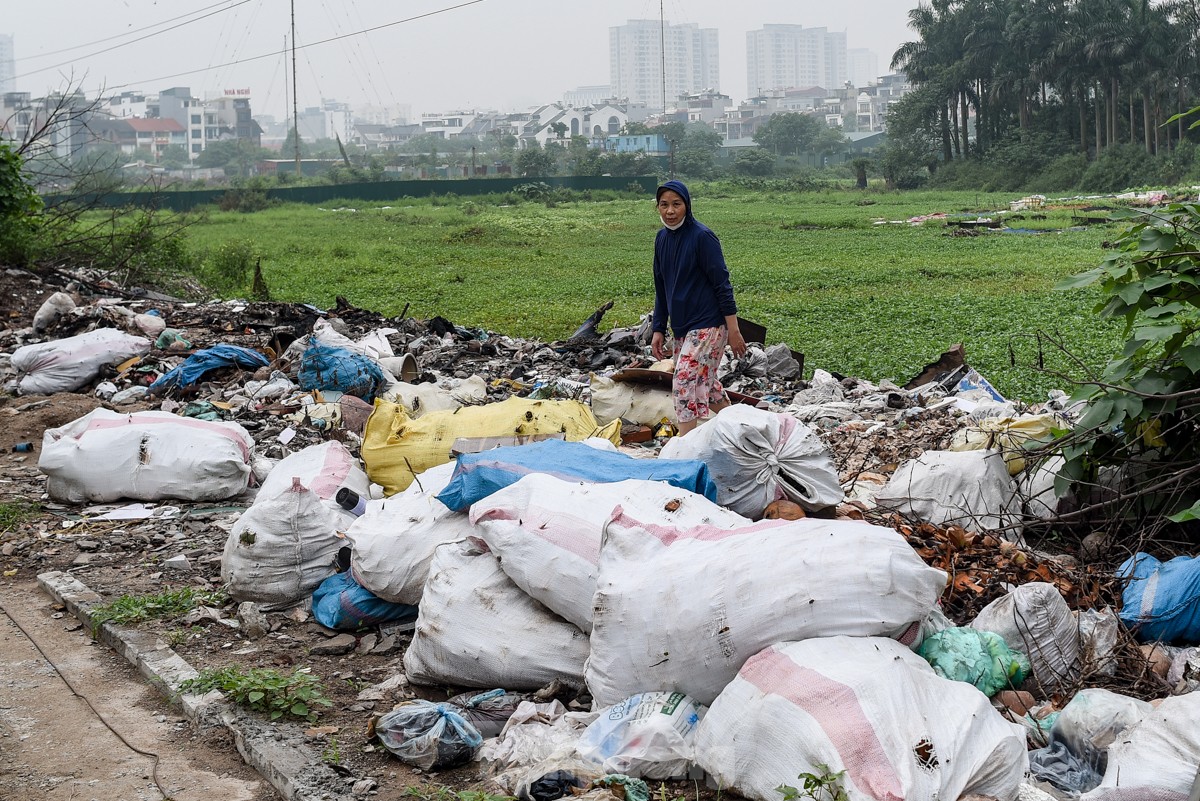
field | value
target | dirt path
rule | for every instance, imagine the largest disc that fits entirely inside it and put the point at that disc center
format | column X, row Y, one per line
column 54, row 747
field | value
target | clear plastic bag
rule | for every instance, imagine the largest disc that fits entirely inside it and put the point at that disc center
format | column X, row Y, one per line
column 427, row 735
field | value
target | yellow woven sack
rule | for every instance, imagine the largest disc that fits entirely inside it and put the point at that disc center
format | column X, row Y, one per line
column 1008, row 435
column 396, row 447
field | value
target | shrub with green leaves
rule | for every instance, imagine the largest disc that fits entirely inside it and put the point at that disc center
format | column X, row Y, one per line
column 19, row 207
column 823, row 786
column 1143, row 413
column 264, row 690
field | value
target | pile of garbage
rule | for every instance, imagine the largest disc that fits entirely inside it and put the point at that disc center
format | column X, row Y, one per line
column 829, row 578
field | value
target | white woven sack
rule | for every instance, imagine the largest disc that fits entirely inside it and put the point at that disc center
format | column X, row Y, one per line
column 1156, row 759
column 477, row 629
column 1035, row 620
column 866, row 706
column 392, row 544
column 323, row 469
column 547, row 531
column 681, row 609
column 65, row 365
column 281, row 548
column 1093, row 720
column 146, row 456
column 619, row 400
column 971, row 489
column 756, row 457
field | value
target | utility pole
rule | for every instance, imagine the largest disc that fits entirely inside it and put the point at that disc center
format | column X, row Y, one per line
column 295, row 93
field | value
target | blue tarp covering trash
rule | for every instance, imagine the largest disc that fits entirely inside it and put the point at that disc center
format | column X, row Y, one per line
column 325, row 367
column 204, row 361
column 478, row 475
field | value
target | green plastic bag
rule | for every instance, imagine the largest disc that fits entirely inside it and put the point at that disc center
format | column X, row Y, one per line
column 977, row 657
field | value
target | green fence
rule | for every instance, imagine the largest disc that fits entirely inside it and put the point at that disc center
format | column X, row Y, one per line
column 374, row 191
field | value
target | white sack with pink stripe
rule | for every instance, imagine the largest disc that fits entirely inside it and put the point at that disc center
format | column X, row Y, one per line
column 680, row 610
column 866, row 710
column 392, row 544
column 547, row 531
column 478, row 629
column 66, row 365
column 146, row 456
column 756, row 457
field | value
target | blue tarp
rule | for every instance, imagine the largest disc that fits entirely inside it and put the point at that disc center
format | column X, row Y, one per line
column 203, row 361
column 478, row 475
column 325, row 367
column 342, row 603
column 1161, row 603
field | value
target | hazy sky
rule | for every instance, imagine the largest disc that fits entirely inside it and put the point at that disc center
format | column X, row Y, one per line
column 449, row 54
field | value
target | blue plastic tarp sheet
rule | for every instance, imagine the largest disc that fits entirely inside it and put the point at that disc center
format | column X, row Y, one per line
column 325, row 367
column 478, row 475
column 196, row 366
column 342, row 603
column 1161, row 602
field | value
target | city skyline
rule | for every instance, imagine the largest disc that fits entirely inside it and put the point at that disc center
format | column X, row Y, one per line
column 432, row 57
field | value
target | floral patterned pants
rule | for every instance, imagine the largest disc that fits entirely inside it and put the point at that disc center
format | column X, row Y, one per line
column 697, row 357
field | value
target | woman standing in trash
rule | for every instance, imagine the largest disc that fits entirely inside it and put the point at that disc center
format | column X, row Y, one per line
column 692, row 290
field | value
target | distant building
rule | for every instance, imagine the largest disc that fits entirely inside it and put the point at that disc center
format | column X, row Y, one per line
column 396, row 114
column 447, row 126
column 640, row 51
column 8, row 65
column 587, row 96
column 130, row 134
column 650, row 144
column 787, row 56
column 863, row 66
column 706, row 107
column 330, row 120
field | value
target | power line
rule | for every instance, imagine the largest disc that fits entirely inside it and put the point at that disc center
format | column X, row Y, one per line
column 275, row 53
column 118, row 35
column 133, row 41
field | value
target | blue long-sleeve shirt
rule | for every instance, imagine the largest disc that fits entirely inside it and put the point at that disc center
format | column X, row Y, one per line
column 691, row 281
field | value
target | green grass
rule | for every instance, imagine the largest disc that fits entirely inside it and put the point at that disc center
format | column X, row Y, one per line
column 165, row 605
column 264, row 690
column 874, row 301
column 14, row 513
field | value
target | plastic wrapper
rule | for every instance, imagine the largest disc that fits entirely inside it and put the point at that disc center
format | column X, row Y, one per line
column 427, row 735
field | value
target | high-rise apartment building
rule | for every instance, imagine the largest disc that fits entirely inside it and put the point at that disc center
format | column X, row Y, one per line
column 8, row 65
column 863, row 66
column 792, row 56
column 641, row 48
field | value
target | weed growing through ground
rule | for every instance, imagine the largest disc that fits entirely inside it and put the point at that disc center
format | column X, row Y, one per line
column 264, row 690
column 13, row 513
column 825, row 786
column 166, row 605
column 332, row 755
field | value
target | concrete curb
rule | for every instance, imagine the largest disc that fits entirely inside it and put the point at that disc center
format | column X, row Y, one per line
column 279, row 752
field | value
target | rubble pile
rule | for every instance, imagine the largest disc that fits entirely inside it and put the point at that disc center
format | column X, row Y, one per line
column 829, row 578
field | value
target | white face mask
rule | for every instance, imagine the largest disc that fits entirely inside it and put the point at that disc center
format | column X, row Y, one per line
column 674, row 227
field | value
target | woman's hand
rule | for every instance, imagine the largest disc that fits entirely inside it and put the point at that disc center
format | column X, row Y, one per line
column 736, row 343
column 656, row 345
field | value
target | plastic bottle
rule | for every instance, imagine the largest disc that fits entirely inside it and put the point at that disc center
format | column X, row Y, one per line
column 349, row 500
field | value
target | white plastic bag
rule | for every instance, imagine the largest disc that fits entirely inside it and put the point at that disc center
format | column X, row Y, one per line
column 281, row 548
column 971, row 489
column 1093, row 719
column 648, row 736
column 756, row 457
column 1035, row 620
column 680, row 610
column 866, row 706
column 393, row 542
column 547, row 531
column 146, row 456
column 66, row 365
column 52, row 310
column 478, row 629
column 1157, row 757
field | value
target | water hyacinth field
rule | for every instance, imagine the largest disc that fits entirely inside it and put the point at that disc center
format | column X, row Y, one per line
column 856, row 296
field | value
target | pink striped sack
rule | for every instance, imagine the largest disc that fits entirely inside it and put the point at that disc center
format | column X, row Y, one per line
column 680, row 610
column 864, row 709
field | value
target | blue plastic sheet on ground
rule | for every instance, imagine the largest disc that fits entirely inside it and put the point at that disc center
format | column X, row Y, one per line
column 1161, row 602
column 342, row 603
column 204, row 361
column 478, row 475
column 325, row 367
